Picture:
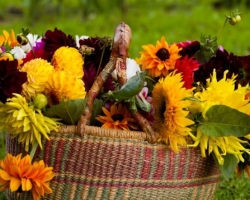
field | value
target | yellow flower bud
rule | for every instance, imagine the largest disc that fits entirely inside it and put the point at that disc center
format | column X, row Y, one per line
column 40, row 101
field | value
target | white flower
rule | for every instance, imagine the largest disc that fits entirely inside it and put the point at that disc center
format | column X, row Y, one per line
column 18, row 53
column 32, row 41
column 132, row 68
column 80, row 38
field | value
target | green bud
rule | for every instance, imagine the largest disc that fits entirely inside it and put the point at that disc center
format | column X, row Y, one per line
column 238, row 18
column 232, row 21
column 21, row 39
column 40, row 101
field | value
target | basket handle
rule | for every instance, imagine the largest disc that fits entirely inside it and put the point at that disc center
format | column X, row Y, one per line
column 119, row 53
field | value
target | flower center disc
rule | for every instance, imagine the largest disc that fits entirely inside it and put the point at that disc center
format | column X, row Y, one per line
column 163, row 54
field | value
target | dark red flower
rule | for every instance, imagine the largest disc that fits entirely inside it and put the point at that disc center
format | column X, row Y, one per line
column 187, row 66
column 237, row 65
column 11, row 79
column 189, row 48
column 35, row 54
column 56, row 39
column 96, row 61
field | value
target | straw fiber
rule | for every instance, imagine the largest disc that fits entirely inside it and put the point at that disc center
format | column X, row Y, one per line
column 109, row 164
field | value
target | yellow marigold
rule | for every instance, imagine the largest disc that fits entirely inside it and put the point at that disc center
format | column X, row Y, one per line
column 19, row 174
column 159, row 59
column 8, row 39
column 220, row 92
column 38, row 72
column 68, row 59
column 62, row 85
column 170, row 114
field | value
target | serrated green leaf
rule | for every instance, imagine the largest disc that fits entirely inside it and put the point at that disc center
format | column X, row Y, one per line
column 228, row 168
column 129, row 89
column 97, row 109
column 69, row 111
column 225, row 121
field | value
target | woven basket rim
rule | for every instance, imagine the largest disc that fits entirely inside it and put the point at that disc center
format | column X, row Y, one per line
column 103, row 132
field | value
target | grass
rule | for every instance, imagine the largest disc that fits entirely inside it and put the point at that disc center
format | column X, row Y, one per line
column 177, row 20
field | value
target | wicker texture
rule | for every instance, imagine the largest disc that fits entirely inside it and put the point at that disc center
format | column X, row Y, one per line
column 121, row 165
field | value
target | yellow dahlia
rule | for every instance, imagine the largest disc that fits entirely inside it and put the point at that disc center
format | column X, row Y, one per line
column 220, row 92
column 38, row 72
column 23, row 121
column 8, row 39
column 118, row 117
column 219, row 145
column 158, row 60
column 19, row 174
column 68, row 59
column 170, row 114
column 62, row 85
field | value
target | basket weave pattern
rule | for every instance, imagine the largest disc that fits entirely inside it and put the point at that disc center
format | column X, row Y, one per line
column 94, row 167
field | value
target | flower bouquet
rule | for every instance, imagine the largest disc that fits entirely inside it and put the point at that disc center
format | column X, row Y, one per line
column 85, row 121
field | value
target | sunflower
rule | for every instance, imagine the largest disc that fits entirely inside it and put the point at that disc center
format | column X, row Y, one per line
column 159, row 59
column 170, row 114
column 38, row 72
column 220, row 92
column 118, row 117
column 68, row 59
column 62, row 85
column 19, row 174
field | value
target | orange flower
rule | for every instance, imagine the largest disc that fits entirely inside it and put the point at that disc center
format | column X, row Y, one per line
column 117, row 118
column 19, row 173
column 9, row 39
column 160, row 59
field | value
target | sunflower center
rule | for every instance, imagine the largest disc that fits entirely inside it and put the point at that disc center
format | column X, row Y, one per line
column 162, row 110
column 163, row 54
column 118, row 117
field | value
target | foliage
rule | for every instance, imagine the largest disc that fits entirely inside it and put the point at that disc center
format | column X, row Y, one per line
column 233, row 189
column 153, row 19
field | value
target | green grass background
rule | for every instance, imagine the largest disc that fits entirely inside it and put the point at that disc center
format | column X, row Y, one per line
column 177, row 20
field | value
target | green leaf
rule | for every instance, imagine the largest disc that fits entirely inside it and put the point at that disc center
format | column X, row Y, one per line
column 129, row 89
column 228, row 168
column 69, row 111
column 225, row 121
column 97, row 109
column 208, row 47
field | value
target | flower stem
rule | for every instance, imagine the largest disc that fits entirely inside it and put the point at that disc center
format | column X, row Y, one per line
column 222, row 28
column 33, row 150
column 99, row 67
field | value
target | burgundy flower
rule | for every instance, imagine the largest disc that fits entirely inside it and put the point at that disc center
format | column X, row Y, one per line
column 237, row 65
column 56, row 39
column 189, row 48
column 11, row 79
column 95, row 62
column 187, row 66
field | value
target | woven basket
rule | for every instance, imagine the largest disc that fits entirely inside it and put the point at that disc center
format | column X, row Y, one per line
column 110, row 164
